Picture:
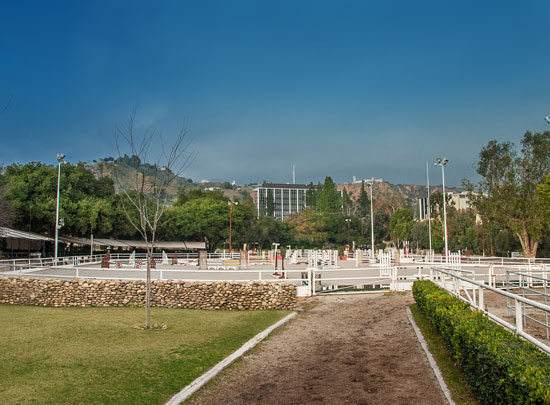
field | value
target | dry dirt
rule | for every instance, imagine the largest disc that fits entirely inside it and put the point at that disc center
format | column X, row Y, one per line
column 349, row 349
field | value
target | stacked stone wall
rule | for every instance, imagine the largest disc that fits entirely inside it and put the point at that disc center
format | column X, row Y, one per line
column 131, row 293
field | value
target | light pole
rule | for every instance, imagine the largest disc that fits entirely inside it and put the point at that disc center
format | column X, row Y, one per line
column 370, row 185
column 442, row 162
column 348, row 220
column 60, row 157
column 231, row 203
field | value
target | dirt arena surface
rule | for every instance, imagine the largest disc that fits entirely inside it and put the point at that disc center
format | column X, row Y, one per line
column 346, row 349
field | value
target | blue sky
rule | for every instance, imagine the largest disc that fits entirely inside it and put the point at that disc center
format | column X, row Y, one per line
column 340, row 88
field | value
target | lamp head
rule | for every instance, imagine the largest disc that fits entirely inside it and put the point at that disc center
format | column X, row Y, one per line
column 547, row 119
column 441, row 161
column 60, row 157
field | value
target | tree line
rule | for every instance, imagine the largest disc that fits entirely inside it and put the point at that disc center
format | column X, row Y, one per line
column 511, row 209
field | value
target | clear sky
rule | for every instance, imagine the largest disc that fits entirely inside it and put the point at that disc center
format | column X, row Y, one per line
column 340, row 88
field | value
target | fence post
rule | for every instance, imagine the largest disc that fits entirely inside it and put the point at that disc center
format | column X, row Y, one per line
column 313, row 280
column 481, row 299
column 508, row 290
column 519, row 316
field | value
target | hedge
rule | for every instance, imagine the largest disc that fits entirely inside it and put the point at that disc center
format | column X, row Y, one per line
column 500, row 366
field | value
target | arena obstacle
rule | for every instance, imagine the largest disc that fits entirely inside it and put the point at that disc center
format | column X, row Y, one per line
column 385, row 263
column 327, row 259
column 105, row 260
column 132, row 259
column 430, row 256
column 454, row 260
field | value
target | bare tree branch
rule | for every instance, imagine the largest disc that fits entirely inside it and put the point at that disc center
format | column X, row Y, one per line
column 145, row 191
column 3, row 110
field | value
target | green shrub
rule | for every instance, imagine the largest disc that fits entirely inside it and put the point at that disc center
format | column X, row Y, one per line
column 499, row 365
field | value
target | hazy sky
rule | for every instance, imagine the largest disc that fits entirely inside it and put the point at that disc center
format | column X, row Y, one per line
column 340, row 88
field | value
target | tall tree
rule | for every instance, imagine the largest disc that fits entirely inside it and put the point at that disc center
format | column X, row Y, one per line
column 31, row 191
column 347, row 204
column 270, row 203
column 507, row 192
column 205, row 218
column 311, row 196
column 363, row 201
column 329, row 200
column 401, row 225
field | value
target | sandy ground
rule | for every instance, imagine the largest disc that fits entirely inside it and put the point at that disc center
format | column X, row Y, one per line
column 352, row 349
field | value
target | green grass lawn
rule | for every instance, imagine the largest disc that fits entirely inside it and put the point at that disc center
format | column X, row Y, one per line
column 453, row 376
column 95, row 355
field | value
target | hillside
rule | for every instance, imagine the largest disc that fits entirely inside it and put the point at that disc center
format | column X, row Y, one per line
column 122, row 176
column 402, row 191
column 394, row 195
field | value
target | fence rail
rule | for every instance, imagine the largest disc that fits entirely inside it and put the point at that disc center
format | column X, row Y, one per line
column 472, row 292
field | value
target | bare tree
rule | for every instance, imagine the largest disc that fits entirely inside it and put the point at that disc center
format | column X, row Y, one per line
column 143, row 186
column 3, row 110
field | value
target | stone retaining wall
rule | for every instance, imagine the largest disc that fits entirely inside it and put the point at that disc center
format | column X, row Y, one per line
column 131, row 293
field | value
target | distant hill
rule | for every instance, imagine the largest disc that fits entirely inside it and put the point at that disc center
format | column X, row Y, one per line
column 410, row 191
column 395, row 195
column 121, row 172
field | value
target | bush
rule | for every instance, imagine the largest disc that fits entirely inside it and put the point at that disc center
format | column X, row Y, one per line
column 498, row 364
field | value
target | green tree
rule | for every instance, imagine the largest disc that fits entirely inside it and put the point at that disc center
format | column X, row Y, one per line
column 329, row 200
column 401, row 225
column 347, row 204
column 205, row 219
column 507, row 192
column 311, row 196
column 364, row 202
column 31, row 191
column 268, row 230
column 307, row 229
column 270, row 203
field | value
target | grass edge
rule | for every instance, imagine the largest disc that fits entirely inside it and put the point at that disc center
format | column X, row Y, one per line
column 460, row 391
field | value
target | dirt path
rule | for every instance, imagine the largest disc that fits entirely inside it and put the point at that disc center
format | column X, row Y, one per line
column 352, row 349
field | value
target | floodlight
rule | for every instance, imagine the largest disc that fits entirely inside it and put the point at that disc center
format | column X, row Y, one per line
column 547, row 119
column 441, row 161
column 60, row 157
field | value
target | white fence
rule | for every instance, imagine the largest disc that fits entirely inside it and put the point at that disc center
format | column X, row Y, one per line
column 473, row 292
